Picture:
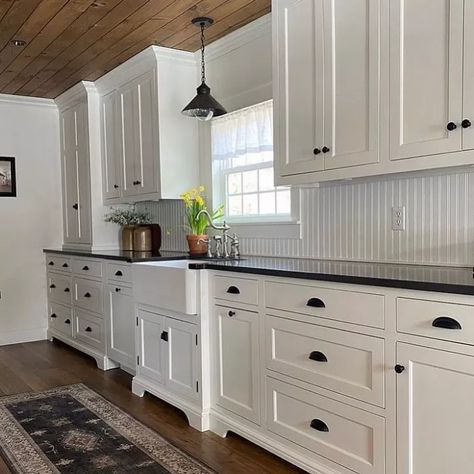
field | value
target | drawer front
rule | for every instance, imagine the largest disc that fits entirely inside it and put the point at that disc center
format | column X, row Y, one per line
column 242, row 290
column 435, row 319
column 89, row 295
column 346, row 435
column 60, row 288
column 119, row 272
column 90, row 330
column 58, row 264
column 87, row 268
column 60, row 319
column 348, row 363
column 366, row 309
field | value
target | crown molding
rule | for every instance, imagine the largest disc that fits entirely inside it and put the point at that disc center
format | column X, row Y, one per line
column 75, row 94
column 238, row 38
column 26, row 100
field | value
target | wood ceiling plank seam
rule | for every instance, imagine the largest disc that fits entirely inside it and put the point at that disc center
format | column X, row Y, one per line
column 116, row 16
column 51, row 30
column 229, row 24
column 227, row 8
column 5, row 8
column 168, row 13
column 82, row 25
column 28, row 32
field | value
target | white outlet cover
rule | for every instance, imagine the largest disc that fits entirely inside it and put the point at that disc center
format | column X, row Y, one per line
column 398, row 218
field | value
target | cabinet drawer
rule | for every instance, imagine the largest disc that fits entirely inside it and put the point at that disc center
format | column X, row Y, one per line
column 242, row 290
column 89, row 295
column 435, row 319
column 60, row 319
column 346, row 435
column 366, row 309
column 119, row 272
column 88, row 268
column 348, row 363
column 90, row 330
column 57, row 263
column 59, row 288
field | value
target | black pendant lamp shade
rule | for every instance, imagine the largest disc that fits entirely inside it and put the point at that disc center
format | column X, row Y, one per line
column 203, row 106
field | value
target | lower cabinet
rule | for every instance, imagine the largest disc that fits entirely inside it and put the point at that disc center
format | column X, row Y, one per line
column 120, row 322
column 435, row 411
column 167, row 353
column 238, row 363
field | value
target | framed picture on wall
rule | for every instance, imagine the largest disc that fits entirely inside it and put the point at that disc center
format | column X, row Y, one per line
column 7, row 177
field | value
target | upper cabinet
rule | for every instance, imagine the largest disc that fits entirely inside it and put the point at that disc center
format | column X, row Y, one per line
column 149, row 149
column 326, row 84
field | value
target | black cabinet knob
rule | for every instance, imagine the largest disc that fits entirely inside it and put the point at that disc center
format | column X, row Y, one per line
column 88, row 329
column 466, row 123
column 118, row 273
column 233, row 290
column 164, row 336
column 136, row 183
column 319, row 425
column 451, row 126
column 316, row 151
column 67, row 321
column 326, row 149
column 75, row 206
column 231, row 313
column 52, row 286
column 66, row 290
column 117, row 290
column 54, row 316
column 116, row 186
column 399, row 368
column 85, row 268
column 87, row 295
column 318, row 356
column 445, row 322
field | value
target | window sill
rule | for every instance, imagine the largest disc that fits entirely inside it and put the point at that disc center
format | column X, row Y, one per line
column 267, row 230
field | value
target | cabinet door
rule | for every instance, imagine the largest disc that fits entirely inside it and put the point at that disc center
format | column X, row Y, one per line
column 351, row 84
column 120, row 319
column 298, row 85
column 435, row 412
column 111, row 163
column 426, row 45
column 180, row 346
column 237, row 369
column 468, row 95
column 150, row 329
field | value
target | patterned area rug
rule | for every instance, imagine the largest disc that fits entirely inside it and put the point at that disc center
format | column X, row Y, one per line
column 74, row 430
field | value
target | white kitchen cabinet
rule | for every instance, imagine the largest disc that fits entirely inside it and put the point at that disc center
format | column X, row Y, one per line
column 76, row 182
column 326, row 84
column 150, row 150
column 120, row 323
column 435, row 413
column 468, row 82
column 426, row 83
column 236, row 339
column 112, row 171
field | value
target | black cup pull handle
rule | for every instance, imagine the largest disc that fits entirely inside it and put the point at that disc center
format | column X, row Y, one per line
column 66, row 290
column 68, row 321
column 315, row 303
column 445, row 322
column 51, row 264
column 52, row 286
column 65, row 265
column 233, row 290
column 85, row 268
column 318, row 356
column 164, row 336
column 88, row 329
column 87, row 295
column 54, row 316
column 319, row 425
column 118, row 273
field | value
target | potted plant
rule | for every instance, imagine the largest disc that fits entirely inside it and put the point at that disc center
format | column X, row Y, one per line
column 197, row 238
column 128, row 219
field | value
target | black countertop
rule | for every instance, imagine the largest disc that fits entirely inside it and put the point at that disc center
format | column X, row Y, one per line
column 458, row 280
column 124, row 256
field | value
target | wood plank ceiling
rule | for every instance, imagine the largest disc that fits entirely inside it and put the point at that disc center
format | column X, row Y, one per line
column 72, row 40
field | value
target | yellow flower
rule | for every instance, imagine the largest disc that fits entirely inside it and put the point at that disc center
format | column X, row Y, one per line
column 201, row 189
column 200, row 200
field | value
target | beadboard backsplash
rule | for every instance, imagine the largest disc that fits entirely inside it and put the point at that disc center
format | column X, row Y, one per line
column 352, row 221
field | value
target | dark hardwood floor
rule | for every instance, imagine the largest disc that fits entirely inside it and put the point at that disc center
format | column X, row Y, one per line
column 42, row 365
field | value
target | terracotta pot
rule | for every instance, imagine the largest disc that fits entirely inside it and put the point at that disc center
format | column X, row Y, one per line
column 197, row 244
column 127, row 238
column 142, row 241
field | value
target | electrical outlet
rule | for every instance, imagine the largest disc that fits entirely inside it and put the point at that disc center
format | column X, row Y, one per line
column 398, row 218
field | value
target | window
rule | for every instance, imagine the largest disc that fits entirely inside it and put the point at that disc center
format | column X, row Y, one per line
column 242, row 158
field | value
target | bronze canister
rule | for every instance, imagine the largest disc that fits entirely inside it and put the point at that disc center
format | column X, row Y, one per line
column 127, row 238
column 142, row 241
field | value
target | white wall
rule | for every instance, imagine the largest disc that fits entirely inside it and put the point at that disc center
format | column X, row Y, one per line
column 29, row 131
column 349, row 220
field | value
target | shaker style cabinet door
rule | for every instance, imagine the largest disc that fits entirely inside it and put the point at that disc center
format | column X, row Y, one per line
column 467, row 123
column 351, row 82
column 435, row 413
column 426, row 75
column 298, row 85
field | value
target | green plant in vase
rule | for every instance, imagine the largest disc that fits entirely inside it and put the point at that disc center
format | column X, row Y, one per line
column 128, row 220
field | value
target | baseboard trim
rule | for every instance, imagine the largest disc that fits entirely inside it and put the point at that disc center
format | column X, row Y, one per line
column 18, row 337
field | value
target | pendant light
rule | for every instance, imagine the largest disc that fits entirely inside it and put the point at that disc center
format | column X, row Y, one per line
column 203, row 106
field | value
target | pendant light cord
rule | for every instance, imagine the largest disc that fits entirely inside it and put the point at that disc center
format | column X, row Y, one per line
column 203, row 67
